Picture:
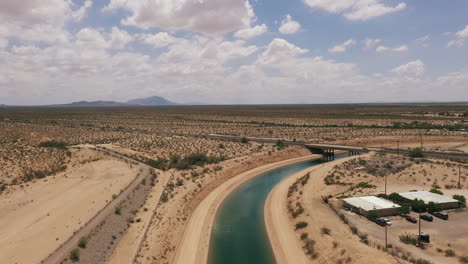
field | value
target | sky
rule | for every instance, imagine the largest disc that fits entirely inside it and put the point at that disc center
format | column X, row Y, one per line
column 233, row 51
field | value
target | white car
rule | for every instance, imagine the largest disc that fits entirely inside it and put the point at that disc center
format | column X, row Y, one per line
column 389, row 223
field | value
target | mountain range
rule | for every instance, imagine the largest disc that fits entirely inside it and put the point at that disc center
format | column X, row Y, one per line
column 148, row 101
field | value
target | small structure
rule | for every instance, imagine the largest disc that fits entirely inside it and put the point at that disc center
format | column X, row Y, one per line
column 444, row 201
column 364, row 205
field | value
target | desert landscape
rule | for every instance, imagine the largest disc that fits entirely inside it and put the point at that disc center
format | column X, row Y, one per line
column 100, row 186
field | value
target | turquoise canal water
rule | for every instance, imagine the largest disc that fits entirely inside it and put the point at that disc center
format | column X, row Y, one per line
column 239, row 235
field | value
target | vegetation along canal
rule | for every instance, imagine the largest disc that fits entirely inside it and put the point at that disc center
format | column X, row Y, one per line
column 239, row 234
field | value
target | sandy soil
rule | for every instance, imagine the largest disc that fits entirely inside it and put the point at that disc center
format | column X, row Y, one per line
column 130, row 243
column 194, row 245
column 40, row 217
column 286, row 242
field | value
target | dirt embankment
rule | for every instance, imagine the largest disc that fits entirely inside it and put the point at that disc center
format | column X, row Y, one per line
column 167, row 227
column 41, row 216
column 324, row 238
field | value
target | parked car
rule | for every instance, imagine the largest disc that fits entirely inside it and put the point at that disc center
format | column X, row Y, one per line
column 411, row 219
column 427, row 217
column 388, row 222
column 425, row 237
column 440, row 215
column 380, row 222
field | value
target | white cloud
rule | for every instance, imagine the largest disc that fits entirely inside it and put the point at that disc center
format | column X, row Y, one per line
column 456, row 43
column 92, row 38
column 370, row 43
column 208, row 16
column 401, row 48
column 280, row 49
column 423, row 41
column 356, row 9
column 159, row 40
column 413, row 68
column 35, row 21
column 289, row 26
column 119, row 38
column 79, row 14
column 462, row 33
column 342, row 47
column 251, row 32
column 3, row 43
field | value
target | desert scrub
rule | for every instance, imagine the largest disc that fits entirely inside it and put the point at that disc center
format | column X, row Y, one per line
column 83, row 242
column 53, row 144
column 301, row 225
column 75, row 255
column 326, row 231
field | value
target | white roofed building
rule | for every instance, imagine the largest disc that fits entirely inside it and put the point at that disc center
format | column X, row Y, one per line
column 364, row 205
column 445, row 201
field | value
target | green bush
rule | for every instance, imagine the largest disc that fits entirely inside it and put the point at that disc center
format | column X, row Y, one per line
column 75, row 255
column 83, row 242
column 433, row 207
column 405, row 209
column 117, row 211
column 436, row 191
column 460, row 198
column 53, row 144
column 416, row 153
column 301, row 225
column 244, row 140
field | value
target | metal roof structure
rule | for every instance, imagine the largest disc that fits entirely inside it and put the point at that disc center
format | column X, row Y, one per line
column 369, row 203
column 428, row 197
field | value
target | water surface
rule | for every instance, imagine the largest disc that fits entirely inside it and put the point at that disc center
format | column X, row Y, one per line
column 239, row 235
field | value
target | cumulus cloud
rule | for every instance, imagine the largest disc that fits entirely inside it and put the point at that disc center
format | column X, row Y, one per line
column 159, row 40
column 208, row 16
column 356, row 9
column 119, row 38
column 92, row 38
column 462, row 33
column 456, row 43
column 289, row 26
column 412, row 68
column 251, row 32
column 342, row 47
column 371, row 43
column 79, row 14
column 280, row 49
column 401, row 48
column 35, row 21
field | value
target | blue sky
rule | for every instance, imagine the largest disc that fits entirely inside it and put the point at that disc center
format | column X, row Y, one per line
column 233, row 51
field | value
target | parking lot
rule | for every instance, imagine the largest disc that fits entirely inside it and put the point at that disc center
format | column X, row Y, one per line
column 444, row 234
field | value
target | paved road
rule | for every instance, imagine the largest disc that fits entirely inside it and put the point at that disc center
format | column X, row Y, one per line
column 62, row 252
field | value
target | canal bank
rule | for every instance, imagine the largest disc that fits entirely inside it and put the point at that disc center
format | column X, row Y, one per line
column 194, row 245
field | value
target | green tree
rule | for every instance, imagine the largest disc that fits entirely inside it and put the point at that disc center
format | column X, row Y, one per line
column 405, row 209
column 434, row 207
column 436, row 191
column 418, row 206
column 460, row 198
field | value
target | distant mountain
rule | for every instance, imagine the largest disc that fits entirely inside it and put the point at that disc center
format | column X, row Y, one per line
column 93, row 104
column 150, row 101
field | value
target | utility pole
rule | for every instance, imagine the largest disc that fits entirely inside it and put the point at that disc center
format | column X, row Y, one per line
column 385, row 184
column 386, row 238
column 419, row 234
column 459, row 177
